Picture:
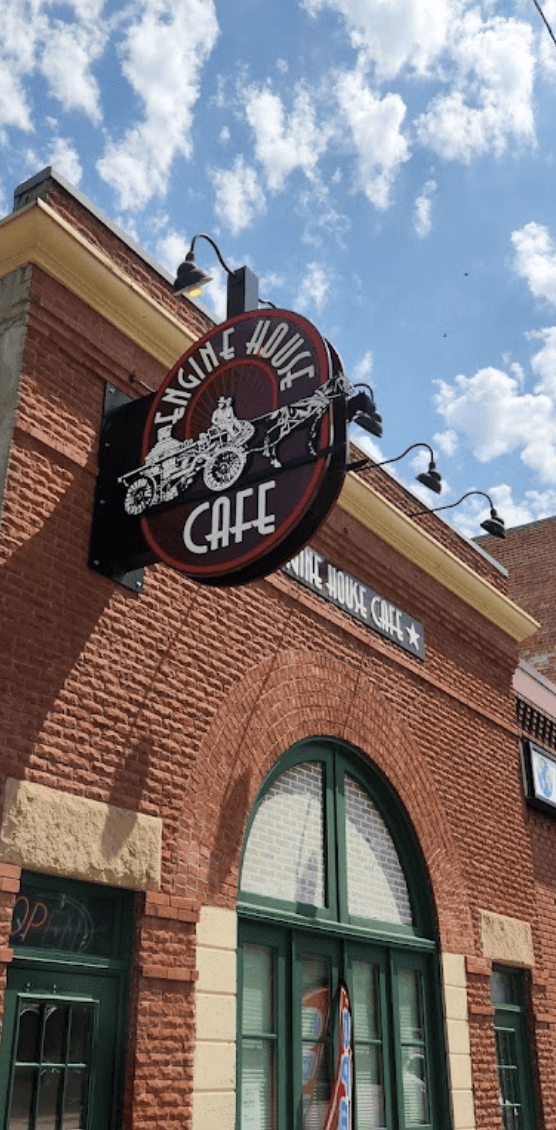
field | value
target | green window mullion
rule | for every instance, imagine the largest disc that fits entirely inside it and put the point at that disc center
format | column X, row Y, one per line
column 339, row 830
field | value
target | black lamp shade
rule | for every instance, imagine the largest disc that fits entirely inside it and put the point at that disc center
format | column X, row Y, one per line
column 370, row 423
column 494, row 525
column 190, row 276
column 431, row 478
column 362, row 411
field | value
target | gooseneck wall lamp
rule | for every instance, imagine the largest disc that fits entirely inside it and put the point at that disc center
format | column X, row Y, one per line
column 243, row 284
column 493, row 525
column 430, row 478
column 362, row 411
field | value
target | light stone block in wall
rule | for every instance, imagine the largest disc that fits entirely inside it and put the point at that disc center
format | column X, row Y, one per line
column 58, row 833
column 215, row 1043
column 214, row 1109
column 457, row 1036
column 506, row 940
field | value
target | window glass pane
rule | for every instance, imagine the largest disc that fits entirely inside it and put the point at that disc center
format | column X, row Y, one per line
column 284, row 858
column 55, row 1021
column 75, row 1100
column 508, row 1078
column 258, row 990
column 411, row 1020
column 28, row 1040
column 258, row 1106
column 80, row 1033
column 369, row 1089
column 412, row 1036
column 415, row 1099
column 46, row 919
column 365, row 1001
column 317, row 1045
column 375, row 880
column 50, row 1080
column 505, row 988
column 22, row 1098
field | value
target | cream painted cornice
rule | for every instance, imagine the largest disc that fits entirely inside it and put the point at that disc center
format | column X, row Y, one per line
column 375, row 513
column 37, row 234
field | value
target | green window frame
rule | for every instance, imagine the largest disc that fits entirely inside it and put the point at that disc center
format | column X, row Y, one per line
column 513, row 1058
column 303, row 951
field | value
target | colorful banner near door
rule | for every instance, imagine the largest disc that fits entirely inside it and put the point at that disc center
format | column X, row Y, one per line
column 340, row 1109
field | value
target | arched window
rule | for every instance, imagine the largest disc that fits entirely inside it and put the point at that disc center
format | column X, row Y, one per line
column 333, row 887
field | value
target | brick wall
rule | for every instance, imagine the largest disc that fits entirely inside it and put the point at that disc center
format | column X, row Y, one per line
column 178, row 702
column 529, row 554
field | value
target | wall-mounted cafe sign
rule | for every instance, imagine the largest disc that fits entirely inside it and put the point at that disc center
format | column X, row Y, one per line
column 239, row 456
column 540, row 776
column 352, row 596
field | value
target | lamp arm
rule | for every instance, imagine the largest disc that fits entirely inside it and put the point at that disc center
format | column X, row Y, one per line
column 450, row 505
column 368, row 462
column 202, row 235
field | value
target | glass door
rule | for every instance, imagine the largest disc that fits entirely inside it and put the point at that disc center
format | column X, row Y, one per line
column 58, row 1050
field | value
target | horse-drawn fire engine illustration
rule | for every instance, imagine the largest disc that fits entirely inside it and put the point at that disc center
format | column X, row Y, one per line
column 221, row 452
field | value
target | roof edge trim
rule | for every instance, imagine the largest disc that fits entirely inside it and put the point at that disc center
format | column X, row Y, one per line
column 37, row 234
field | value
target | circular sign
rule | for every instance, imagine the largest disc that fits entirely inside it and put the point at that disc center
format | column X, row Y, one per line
column 243, row 450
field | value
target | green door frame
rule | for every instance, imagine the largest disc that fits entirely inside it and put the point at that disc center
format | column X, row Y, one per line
column 58, row 974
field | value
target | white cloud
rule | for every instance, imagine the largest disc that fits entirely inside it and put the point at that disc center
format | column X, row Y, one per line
column 239, row 196
column 171, row 249
column 535, row 260
column 547, row 52
column 285, row 142
column 164, row 52
column 34, row 41
column 496, row 418
column 20, row 38
column 315, row 287
column 544, row 362
column 68, row 54
column 65, row 158
column 422, row 219
column 394, row 34
column 214, row 296
column 491, row 95
column 363, row 367
column 532, row 507
column 447, row 442
column 375, row 128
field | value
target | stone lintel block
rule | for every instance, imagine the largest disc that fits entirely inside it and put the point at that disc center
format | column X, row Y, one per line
column 506, row 940
column 59, row 833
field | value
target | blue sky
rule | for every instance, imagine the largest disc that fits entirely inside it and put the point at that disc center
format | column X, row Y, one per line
column 385, row 166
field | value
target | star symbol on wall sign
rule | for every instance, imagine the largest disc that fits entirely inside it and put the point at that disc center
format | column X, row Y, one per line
column 414, row 636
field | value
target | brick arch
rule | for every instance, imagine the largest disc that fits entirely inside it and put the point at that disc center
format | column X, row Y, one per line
column 281, row 702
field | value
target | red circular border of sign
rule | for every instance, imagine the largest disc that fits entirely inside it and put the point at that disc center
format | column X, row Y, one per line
column 329, row 474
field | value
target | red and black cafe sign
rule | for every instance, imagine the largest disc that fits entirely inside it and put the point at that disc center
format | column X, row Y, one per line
column 227, row 471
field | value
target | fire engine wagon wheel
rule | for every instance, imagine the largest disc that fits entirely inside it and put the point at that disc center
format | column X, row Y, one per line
column 139, row 495
column 223, row 468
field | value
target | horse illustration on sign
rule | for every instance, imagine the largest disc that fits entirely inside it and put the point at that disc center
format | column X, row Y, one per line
column 222, row 451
